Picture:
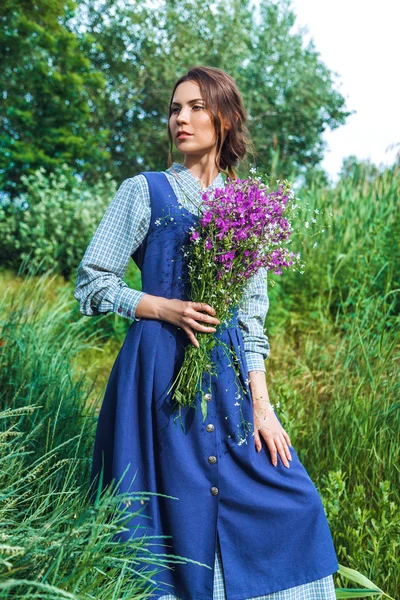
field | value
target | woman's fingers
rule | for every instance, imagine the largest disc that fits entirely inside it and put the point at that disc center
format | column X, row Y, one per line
column 272, row 450
column 257, row 440
column 281, row 446
column 193, row 325
column 200, row 327
column 191, row 318
column 203, row 306
column 287, row 438
column 286, row 447
column 191, row 336
column 278, row 445
column 199, row 316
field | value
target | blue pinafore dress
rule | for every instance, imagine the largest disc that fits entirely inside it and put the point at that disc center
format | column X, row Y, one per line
column 270, row 521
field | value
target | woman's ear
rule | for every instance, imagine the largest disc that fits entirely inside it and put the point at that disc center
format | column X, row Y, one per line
column 228, row 125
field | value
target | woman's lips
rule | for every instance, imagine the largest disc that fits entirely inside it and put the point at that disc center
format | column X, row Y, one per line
column 184, row 135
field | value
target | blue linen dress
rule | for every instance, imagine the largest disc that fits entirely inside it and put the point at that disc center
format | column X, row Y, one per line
column 257, row 529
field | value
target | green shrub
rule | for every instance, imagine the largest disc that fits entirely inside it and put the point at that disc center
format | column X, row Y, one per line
column 52, row 223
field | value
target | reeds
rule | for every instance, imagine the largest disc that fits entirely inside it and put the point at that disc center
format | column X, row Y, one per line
column 334, row 367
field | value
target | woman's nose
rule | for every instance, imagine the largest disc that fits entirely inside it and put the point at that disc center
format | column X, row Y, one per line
column 182, row 118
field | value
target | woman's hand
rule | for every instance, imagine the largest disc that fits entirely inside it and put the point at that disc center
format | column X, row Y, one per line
column 267, row 425
column 185, row 315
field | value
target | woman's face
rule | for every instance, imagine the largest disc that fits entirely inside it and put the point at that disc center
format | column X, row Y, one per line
column 188, row 113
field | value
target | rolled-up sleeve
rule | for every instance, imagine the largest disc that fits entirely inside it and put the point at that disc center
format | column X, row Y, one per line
column 99, row 284
column 252, row 313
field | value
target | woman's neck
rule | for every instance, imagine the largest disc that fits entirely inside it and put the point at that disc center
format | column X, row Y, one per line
column 204, row 173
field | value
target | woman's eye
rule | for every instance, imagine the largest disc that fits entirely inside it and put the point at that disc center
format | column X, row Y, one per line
column 173, row 110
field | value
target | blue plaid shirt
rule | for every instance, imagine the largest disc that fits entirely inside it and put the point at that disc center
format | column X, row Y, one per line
column 99, row 284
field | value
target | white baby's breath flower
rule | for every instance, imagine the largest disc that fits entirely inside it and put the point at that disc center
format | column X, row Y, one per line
column 315, row 244
column 307, row 224
column 316, row 210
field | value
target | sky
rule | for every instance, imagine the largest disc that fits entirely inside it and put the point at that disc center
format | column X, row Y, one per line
column 358, row 40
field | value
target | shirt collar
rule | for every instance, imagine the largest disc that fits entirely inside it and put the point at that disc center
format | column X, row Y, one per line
column 189, row 184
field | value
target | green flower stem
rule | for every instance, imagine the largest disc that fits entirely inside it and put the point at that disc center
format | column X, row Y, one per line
column 189, row 379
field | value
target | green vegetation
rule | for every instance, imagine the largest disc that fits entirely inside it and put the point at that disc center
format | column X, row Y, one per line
column 334, row 367
column 97, row 78
column 54, row 542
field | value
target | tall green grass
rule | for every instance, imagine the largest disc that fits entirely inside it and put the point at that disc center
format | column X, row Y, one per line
column 56, row 543
column 334, row 366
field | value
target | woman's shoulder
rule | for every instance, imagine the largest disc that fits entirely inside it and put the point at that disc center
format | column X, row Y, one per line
column 135, row 186
column 138, row 186
column 139, row 181
column 132, row 193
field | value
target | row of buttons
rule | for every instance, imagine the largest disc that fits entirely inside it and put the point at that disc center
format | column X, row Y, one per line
column 212, row 459
column 128, row 312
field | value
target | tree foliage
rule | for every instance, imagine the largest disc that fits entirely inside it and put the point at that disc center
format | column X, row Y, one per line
column 97, row 77
column 49, row 87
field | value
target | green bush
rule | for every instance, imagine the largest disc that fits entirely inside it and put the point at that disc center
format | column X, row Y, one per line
column 52, row 223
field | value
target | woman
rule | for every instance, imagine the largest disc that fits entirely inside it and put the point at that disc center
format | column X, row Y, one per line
column 249, row 512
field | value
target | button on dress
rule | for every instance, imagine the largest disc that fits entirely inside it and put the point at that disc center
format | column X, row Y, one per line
column 257, row 529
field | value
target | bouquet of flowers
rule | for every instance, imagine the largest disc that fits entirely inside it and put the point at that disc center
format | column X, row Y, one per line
column 243, row 228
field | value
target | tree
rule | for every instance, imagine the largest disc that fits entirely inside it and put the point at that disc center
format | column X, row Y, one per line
column 98, row 79
column 141, row 51
column 49, row 85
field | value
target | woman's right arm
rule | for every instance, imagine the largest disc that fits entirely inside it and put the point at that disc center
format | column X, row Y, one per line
column 99, row 283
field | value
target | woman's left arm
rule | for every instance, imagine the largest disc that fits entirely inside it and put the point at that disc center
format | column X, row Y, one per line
column 251, row 315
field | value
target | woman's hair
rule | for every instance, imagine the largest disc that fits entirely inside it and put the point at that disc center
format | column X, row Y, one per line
column 224, row 102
